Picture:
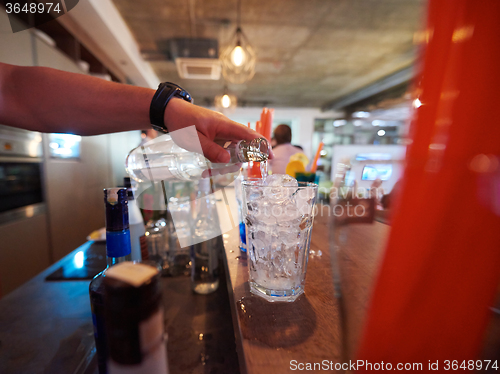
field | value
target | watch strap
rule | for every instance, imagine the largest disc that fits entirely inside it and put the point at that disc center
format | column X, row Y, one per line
column 161, row 98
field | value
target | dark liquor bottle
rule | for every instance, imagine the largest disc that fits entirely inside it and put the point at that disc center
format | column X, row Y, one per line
column 117, row 250
column 134, row 320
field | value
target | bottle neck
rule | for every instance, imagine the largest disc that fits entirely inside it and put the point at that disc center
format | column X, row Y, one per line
column 245, row 151
column 116, row 260
column 158, row 215
column 159, row 202
column 118, row 247
column 207, row 222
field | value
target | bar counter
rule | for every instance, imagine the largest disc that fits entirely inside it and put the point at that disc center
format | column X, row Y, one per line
column 45, row 327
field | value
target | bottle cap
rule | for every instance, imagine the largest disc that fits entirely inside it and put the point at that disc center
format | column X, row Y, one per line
column 116, row 202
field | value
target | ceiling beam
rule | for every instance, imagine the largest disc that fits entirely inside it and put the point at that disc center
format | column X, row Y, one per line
column 105, row 26
column 388, row 82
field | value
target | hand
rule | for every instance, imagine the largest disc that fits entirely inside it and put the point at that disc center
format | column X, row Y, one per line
column 210, row 125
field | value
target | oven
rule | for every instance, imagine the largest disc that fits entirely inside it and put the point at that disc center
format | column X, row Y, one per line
column 21, row 186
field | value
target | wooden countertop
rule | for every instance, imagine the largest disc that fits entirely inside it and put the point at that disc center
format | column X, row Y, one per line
column 325, row 323
column 270, row 335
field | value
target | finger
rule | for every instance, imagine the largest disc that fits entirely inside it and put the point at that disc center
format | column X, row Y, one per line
column 206, row 173
column 229, row 169
column 212, row 151
column 236, row 131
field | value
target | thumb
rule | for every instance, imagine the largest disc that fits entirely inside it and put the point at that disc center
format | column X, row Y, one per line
column 212, row 151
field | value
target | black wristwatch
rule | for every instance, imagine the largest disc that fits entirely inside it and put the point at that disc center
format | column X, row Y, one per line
column 160, row 100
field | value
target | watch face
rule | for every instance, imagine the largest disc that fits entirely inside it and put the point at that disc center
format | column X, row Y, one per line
column 184, row 95
column 159, row 128
column 160, row 101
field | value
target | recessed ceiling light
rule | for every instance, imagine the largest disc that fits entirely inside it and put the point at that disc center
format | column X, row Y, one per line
column 381, row 132
column 361, row 114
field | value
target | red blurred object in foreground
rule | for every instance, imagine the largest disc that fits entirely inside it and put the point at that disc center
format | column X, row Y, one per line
column 441, row 267
column 316, row 158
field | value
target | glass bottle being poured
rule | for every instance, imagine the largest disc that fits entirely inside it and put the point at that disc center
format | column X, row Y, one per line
column 163, row 159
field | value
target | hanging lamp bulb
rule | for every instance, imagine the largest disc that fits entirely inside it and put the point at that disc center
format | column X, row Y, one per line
column 238, row 55
column 226, row 101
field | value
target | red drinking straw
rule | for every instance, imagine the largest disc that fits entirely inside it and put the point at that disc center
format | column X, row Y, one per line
column 268, row 128
column 258, row 127
column 254, row 170
column 314, row 165
column 263, row 115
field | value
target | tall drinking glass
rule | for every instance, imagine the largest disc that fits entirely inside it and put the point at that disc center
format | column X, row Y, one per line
column 278, row 220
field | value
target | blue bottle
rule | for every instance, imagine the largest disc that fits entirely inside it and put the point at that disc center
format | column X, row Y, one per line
column 118, row 250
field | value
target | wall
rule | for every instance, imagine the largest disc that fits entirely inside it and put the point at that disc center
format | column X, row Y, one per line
column 119, row 146
column 349, row 152
column 302, row 121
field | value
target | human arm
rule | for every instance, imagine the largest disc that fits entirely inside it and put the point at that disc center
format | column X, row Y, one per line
column 49, row 100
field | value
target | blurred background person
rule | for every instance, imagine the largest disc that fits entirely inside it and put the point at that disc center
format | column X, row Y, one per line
column 273, row 142
column 283, row 149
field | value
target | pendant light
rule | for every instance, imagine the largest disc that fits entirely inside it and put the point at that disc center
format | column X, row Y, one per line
column 225, row 101
column 238, row 57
